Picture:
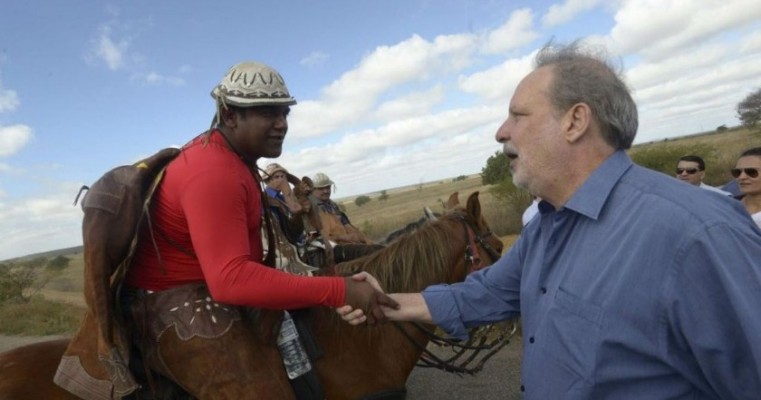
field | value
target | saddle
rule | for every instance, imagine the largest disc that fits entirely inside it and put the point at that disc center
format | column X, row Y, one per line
column 94, row 365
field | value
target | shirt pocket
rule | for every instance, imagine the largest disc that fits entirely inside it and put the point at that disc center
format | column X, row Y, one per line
column 568, row 340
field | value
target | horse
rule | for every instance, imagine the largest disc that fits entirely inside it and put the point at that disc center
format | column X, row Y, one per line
column 364, row 362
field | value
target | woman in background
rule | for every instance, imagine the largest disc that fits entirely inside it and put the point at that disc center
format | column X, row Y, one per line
column 746, row 173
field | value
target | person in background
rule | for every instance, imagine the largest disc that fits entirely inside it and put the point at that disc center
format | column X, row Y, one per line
column 336, row 225
column 208, row 250
column 283, row 202
column 691, row 169
column 629, row 285
column 746, row 174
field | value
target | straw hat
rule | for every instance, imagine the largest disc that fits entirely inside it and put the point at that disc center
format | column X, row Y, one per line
column 321, row 180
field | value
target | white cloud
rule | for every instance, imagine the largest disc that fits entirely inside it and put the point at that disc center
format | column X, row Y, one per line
column 751, row 44
column 13, row 138
column 498, row 82
column 314, row 59
column 415, row 103
column 154, row 78
column 517, row 31
column 8, row 100
column 110, row 51
column 347, row 100
column 363, row 153
column 560, row 13
column 39, row 224
column 656, row 29
column 655, row 73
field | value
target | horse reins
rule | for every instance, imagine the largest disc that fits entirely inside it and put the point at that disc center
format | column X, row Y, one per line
column 477, row 343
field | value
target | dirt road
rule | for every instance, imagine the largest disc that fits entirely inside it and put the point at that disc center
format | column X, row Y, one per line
column 500, row 379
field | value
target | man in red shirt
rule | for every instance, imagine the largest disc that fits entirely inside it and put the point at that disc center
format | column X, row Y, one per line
column 204, row 243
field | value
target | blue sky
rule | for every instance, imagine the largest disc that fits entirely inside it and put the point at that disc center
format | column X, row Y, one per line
column 390, row 93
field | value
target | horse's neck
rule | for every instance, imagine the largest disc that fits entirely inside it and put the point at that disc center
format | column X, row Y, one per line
column 377, row 358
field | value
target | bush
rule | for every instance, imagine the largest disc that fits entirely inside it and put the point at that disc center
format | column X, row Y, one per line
column 512, row 202
column 58, row 263
column 383, row 196
column 361, row 200
column 722, row 128
column 20, row 281
column 14, row 282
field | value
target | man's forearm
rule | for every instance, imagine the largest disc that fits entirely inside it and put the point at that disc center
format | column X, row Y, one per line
column 412, row 308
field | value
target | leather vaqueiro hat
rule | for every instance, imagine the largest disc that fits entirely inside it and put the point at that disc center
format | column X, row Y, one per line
column 250, row 84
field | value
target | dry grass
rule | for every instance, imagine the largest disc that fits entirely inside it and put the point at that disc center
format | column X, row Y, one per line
column 40, row 317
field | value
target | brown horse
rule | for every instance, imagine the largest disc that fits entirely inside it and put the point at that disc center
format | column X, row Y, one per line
column 358, row 362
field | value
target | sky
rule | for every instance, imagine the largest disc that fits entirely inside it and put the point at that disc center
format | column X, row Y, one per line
column 390, row 93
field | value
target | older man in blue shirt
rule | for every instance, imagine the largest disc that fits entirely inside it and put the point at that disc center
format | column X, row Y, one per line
column 629, row 284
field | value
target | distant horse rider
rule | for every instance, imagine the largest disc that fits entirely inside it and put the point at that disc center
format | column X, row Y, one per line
column 283, row 202
column 349, row 241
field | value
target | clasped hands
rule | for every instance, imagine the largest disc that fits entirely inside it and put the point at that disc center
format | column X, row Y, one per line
column 365, row 301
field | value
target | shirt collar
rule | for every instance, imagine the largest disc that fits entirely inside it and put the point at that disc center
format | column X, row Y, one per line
column 590, row 198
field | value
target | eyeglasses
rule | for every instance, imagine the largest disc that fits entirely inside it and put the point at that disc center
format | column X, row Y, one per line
column 689, row 171
column 751, row 172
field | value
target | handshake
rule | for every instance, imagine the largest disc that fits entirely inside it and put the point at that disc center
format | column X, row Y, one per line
column 365, row 296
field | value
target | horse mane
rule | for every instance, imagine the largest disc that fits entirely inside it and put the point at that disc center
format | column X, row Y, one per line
column 412, row 262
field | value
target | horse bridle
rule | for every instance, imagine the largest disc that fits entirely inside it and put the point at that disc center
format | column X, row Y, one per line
column 489, row 338
column 471, row 250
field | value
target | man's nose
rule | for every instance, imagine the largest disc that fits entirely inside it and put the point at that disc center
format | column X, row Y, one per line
column 503, row 134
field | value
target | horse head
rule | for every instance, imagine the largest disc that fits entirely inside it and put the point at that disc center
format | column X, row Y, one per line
column 440, row 251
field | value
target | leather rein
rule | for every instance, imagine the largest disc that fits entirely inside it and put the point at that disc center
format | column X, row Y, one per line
column 489, row 338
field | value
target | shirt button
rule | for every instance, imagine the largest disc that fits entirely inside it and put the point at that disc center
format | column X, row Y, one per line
column 531, row 339
column 544, row 290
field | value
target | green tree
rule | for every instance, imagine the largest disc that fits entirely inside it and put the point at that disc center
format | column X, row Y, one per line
column 59, row 263
column 361, row 200
column 15, row 280
column 383, row 196
column 496, row 170
column 749, row 109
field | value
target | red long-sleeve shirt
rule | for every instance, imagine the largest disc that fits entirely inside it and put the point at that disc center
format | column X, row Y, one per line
column 210, row 204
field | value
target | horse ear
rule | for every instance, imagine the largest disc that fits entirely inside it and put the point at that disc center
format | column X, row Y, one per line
column 453, row 202
column 429, row 214
column 474, row 206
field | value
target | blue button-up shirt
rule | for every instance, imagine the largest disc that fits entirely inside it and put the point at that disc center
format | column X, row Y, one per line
column 640, row 287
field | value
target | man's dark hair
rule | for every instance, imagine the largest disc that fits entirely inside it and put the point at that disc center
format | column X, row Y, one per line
column 695, row 159
column 753, row 151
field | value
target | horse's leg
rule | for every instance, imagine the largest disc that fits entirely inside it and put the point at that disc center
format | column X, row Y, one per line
column 237, row 365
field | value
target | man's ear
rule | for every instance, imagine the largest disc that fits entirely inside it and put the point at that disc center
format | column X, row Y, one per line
column 228, row 117
column 577, row 121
